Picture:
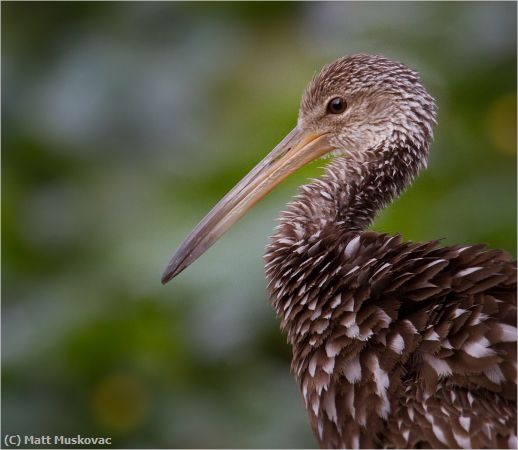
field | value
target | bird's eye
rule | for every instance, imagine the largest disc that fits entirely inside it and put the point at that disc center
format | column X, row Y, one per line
column 336, row 106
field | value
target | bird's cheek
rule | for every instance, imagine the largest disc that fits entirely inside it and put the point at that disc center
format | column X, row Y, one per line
column 341, row 143
column 351, row 139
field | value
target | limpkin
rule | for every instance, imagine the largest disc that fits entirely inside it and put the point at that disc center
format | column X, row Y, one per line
column 395, row 344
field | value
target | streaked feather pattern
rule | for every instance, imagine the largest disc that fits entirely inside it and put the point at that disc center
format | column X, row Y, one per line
column 401, row 342
column 395, row 344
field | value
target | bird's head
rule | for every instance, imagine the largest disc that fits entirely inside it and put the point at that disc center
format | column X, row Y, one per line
column 364, row 103
column 357, row 105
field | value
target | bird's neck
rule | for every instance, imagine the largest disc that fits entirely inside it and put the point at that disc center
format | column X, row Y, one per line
column 355, row 188
column 324, row 216
column 310, row 276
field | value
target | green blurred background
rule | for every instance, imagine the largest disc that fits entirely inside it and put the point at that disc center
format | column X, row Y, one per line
column 123, row 123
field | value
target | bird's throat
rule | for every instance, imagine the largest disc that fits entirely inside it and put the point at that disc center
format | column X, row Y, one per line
column 354, row 189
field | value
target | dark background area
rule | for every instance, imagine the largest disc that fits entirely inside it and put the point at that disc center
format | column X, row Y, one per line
column 123, row 123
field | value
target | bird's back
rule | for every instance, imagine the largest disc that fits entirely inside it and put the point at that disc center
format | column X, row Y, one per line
column 398, row 344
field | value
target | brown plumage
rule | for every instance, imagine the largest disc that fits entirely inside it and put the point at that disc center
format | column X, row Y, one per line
column 395, row 344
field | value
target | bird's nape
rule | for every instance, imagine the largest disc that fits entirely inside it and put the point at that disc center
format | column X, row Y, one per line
column 298, row 148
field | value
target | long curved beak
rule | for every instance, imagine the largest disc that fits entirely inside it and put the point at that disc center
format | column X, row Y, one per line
column 297, row 149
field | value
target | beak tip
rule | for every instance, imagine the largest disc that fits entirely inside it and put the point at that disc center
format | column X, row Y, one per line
column 178, row 263
column 169, row 273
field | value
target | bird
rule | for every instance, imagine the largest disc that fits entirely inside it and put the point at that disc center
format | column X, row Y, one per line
column 395, row 344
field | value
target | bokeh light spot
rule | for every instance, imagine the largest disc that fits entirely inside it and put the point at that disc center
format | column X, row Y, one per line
column 120, row 402
column 501, row 123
